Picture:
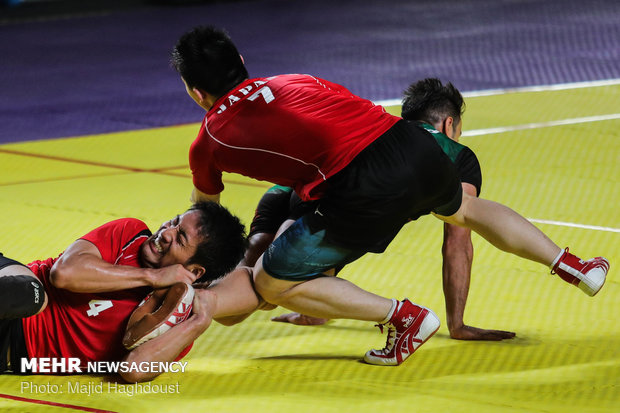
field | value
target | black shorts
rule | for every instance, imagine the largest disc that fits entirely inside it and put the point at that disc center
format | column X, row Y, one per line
column 5, row 262
column 11, row 335
column 12, row 338
column 401, row 176
column 277, row 205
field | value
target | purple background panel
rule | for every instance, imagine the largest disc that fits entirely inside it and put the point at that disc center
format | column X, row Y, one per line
column 108, row 70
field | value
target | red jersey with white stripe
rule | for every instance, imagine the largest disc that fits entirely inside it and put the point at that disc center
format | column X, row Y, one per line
column 84, row 325
column 292, row 130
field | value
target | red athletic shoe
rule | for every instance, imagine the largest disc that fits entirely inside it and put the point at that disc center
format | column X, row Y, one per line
column 588, row 275
column 410, row 326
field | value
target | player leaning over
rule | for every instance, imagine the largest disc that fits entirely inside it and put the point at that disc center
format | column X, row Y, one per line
column 439, row 109
column 371, row 172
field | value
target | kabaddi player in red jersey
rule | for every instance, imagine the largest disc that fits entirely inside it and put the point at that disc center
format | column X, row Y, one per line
column 371, row 172
column 78, row 305
column 439, row 107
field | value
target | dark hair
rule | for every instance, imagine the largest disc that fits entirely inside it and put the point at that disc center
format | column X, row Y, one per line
column 224, row 240
column 428, row 100
column 207, row 59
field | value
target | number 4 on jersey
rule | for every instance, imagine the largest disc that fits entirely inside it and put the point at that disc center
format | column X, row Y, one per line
column 97, row 306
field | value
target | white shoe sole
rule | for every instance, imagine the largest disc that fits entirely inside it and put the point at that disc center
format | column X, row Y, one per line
column 593, row 281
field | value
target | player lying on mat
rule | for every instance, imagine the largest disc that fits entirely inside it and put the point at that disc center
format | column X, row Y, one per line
column 370, row 171
column 439, row 109
column 78, row 305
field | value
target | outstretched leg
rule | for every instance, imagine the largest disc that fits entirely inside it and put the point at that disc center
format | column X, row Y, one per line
column 408, row 325
column 510, row 232
column 290, row 274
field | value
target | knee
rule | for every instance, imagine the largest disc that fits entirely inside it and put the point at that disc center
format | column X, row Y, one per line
column 264, row 288
column 21, row 296
column 461, row 216
column 269, row 288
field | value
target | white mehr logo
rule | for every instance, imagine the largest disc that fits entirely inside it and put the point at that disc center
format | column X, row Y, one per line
column 51, row 365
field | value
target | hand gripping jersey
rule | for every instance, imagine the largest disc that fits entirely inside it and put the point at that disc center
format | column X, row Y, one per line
column 292, row 130
column 84, row 325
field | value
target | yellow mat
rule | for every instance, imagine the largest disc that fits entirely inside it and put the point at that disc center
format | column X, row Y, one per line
column 566, row 354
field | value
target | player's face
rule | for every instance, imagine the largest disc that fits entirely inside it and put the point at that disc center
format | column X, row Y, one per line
column 174, row 242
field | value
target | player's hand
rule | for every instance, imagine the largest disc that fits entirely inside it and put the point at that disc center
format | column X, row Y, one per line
column 300, row 319
column 466, row 332
column 166, row 276
column 204, row 304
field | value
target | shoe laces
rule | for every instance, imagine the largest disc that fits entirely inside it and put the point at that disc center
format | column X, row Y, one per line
column 391, row 336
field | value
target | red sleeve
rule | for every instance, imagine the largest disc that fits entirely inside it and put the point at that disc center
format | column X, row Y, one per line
column 184, row 352
column 206, row 176
column 110, row 238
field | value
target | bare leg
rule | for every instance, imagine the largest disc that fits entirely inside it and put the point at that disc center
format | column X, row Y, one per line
column 16, row 270
column 235, row 294
column 505, row 229
column 325, row 297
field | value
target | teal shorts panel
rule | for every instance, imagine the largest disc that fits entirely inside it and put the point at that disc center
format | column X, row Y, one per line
column 300, row 255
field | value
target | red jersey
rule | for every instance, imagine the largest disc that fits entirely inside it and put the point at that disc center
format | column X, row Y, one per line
column 84, row 325
column 292, row 130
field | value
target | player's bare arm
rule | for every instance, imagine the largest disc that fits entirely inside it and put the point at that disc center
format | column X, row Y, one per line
column 458, row 252
column 82, row 269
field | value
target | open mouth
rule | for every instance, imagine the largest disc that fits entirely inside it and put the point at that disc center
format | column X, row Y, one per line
column 152, row 251
column 158, row 246
column 155, row 246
